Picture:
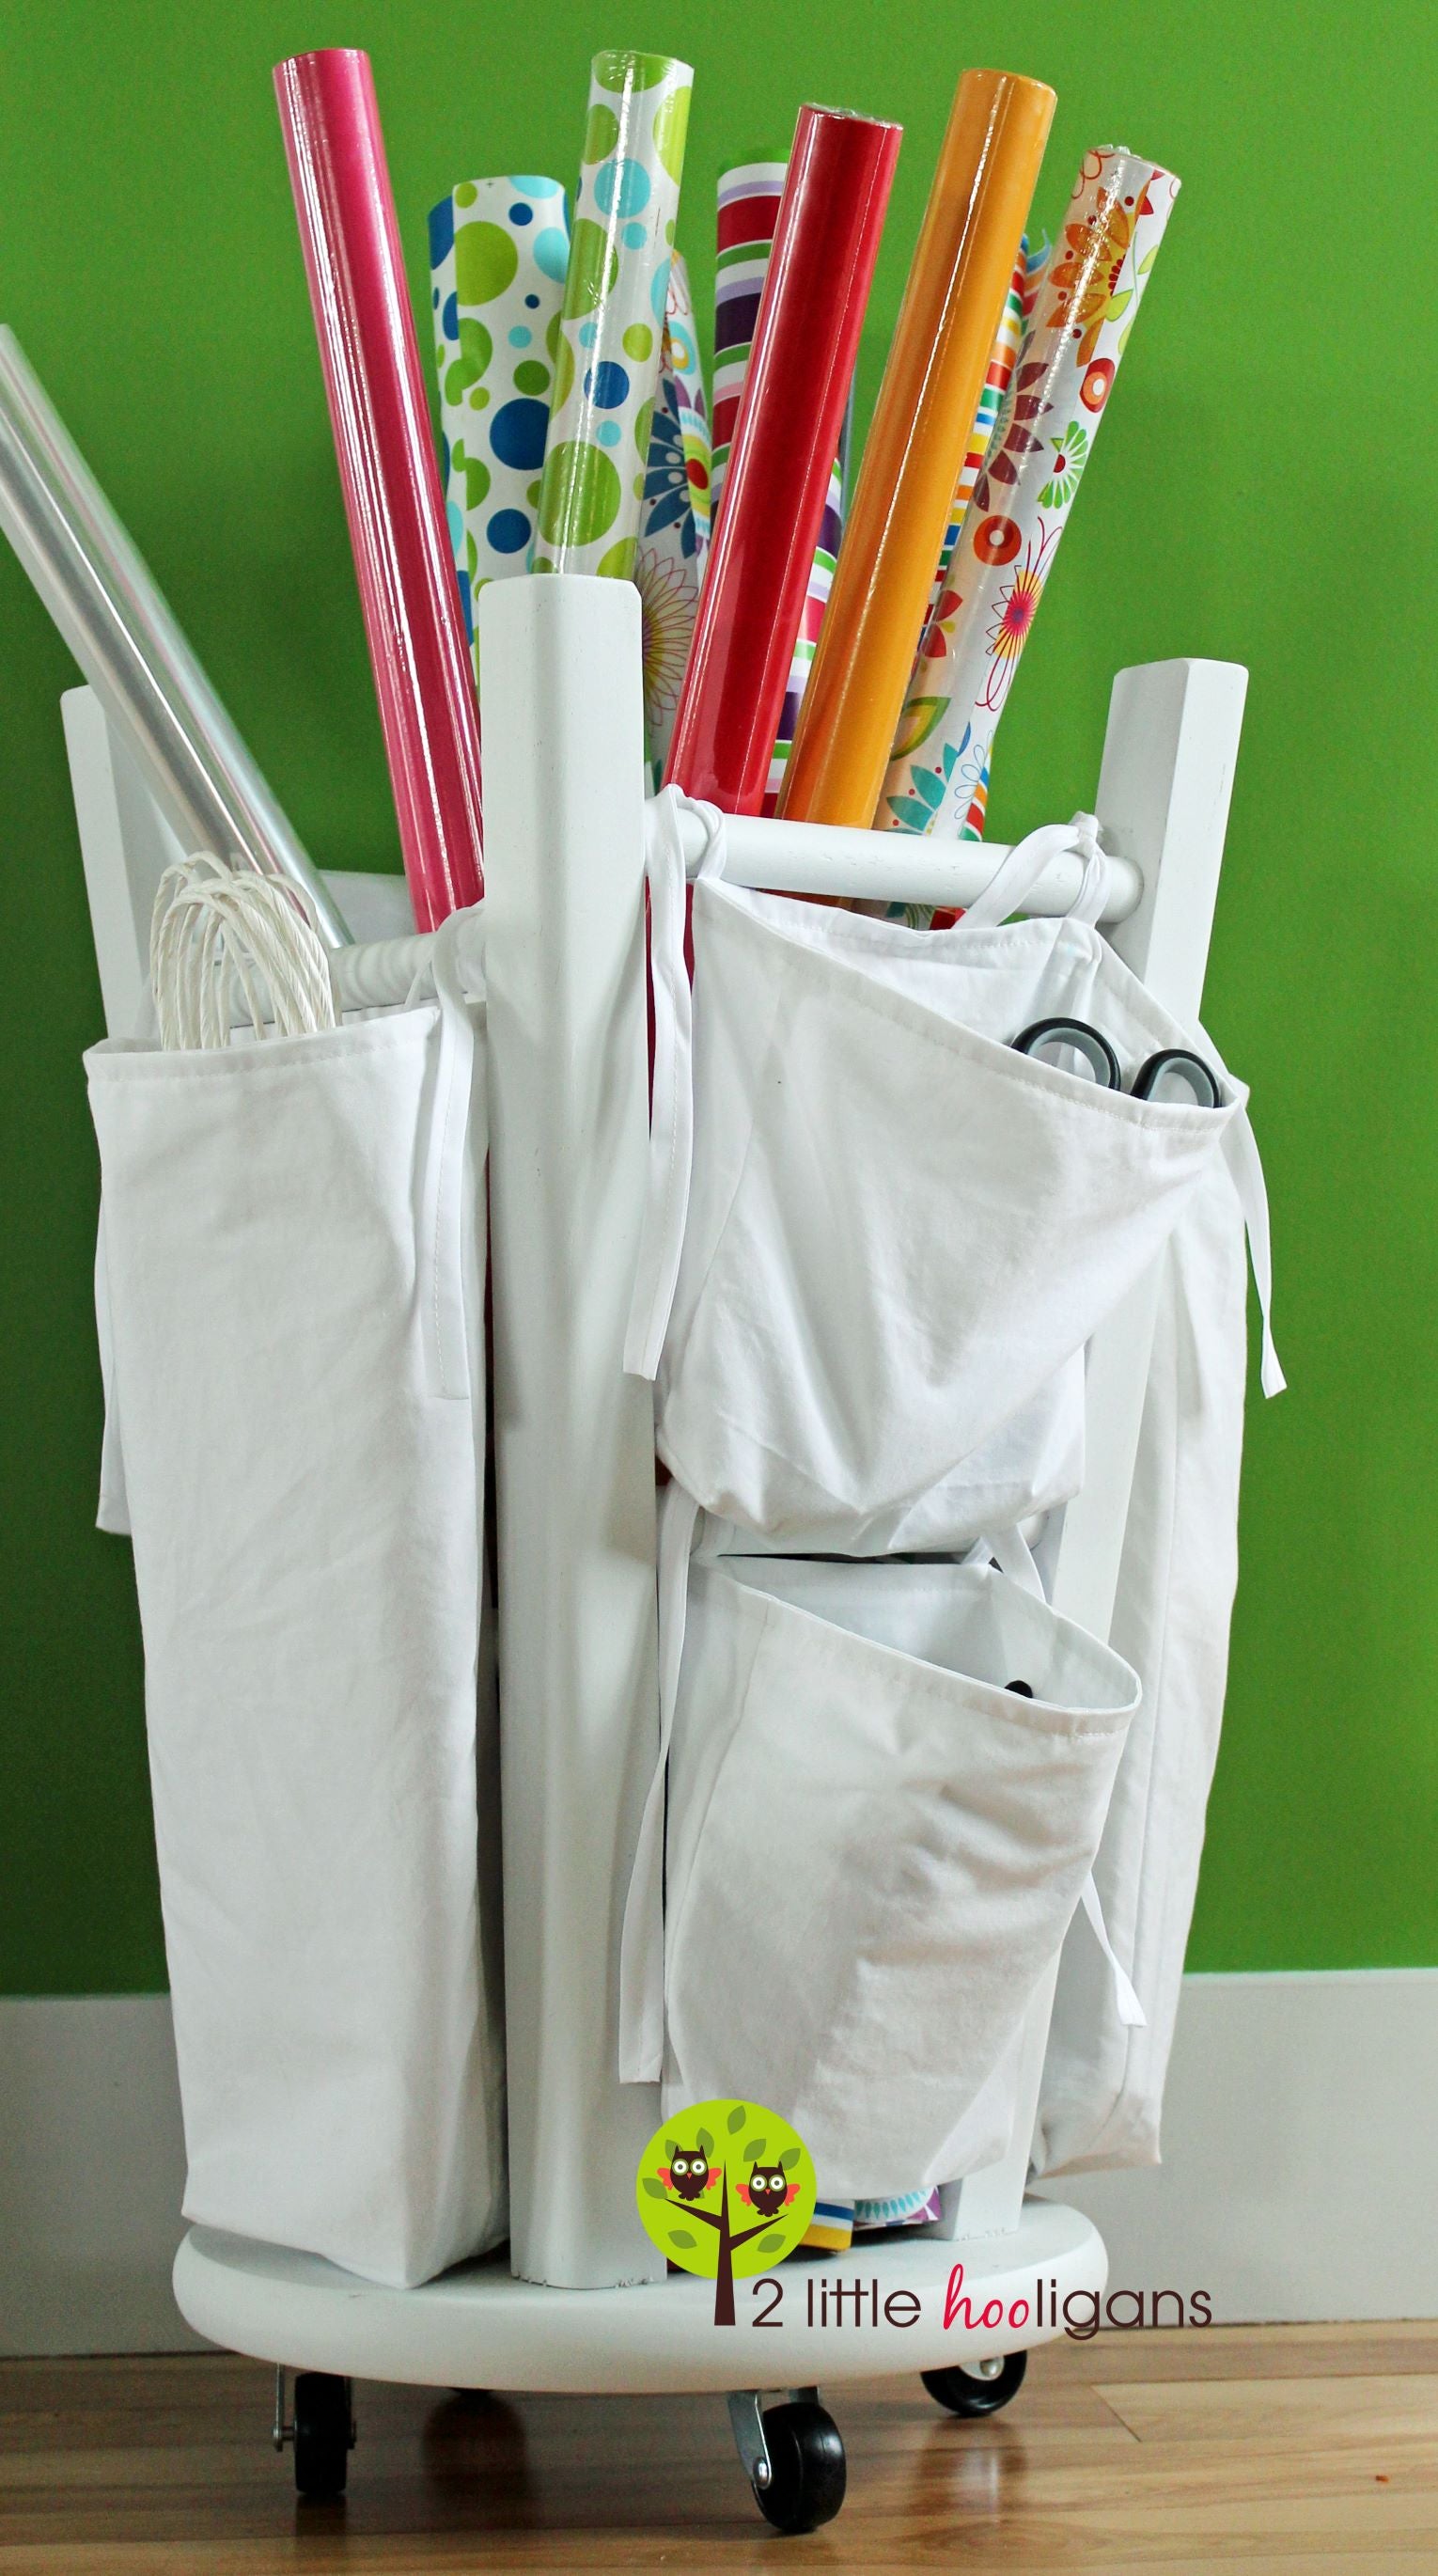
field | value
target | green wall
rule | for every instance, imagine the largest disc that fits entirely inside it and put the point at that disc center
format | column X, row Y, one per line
column 1258, row 496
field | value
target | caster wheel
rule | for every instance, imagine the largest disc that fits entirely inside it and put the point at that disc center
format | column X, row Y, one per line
column 806, row 2456
column 324, row 2434
column 965, row 2393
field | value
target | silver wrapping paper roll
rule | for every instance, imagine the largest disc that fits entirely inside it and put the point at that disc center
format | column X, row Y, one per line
column 131, row 650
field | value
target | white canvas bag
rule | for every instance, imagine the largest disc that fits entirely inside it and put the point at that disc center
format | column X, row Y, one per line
column 874, row 1849
column 1103, row 2081
column 293, row 1269
column 876, row 1233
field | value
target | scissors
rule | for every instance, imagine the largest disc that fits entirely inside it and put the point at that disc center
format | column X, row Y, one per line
column 1154, row 1080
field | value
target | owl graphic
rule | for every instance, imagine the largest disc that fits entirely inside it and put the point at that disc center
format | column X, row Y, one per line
column 688, row 2172
column 768, row 2190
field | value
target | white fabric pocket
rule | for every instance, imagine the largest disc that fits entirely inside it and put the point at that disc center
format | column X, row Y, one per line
column 294, row 1266
column 900, row 1233
column 1103, row 2080
column 1027, row 1467
column 874, row 1848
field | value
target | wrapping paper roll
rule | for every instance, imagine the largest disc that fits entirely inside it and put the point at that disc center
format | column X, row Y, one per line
column 358, row 291
column 901, row 2209
column 682, row 361
column 749, row 197
column 1018, row 312
column 498, row 251
column 916, row 445
column 806, row 339
column 811, row 620
column 130, row 649
column 1008, row 339
column 831, row 2229
column 836, row 2223
column 1087, row 305
column 612, row 320
column 674, row 531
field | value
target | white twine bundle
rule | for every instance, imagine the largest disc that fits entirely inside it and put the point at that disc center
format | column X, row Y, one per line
column 222, row 937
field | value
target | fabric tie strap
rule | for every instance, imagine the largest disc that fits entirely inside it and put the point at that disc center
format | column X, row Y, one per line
column 641, row 1943
column 1126, row 2003
column 1020, row 869
column 459, row 1112
column 671, row 1117
column 1240, row 1150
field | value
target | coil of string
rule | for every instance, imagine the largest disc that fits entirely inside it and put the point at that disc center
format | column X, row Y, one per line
column 226, row 941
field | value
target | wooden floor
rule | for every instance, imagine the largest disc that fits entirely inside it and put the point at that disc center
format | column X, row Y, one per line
column 1311, row 2448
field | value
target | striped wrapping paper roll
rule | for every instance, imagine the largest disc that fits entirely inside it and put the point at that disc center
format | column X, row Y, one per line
column 498, row 249
column 831, row 2229
column 816, row 601
column 1087, row 305
column 674, row 529
column 748, row 211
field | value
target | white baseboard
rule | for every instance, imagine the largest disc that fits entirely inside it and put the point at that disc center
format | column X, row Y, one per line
column 92, row 2169
column 1296, row 2182
column 1297, row 2174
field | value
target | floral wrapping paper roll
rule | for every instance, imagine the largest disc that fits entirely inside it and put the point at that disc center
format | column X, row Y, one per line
column 683, row 362
column 611, row 329
column 1008, row 340
column 1088, row 302
column 1018, row 313
column 674, row 531
column 498, row 251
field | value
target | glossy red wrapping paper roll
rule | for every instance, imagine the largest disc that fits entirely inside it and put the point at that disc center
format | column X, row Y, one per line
column 388, row 470
column 806, row 340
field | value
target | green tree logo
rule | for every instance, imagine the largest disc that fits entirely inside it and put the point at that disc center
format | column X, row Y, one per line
column 725, row 2190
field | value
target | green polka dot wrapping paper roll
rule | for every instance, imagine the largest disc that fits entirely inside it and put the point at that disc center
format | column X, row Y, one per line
column 612, row 322
column 499, row 250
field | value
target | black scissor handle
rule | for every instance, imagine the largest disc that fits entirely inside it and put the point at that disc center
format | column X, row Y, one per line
column 1176, row 1064
column 1086, row 1041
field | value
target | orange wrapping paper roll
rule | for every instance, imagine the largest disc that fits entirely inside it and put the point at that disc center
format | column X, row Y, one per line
column 967, row 246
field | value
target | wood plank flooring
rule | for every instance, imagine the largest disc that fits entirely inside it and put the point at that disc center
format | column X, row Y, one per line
column 1311, row 2449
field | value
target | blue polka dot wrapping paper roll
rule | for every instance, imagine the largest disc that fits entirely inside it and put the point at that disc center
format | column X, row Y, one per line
column 499, row 250
column 612, row 326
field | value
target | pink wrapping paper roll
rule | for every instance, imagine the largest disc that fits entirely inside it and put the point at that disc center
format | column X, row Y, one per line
column 393, row 500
